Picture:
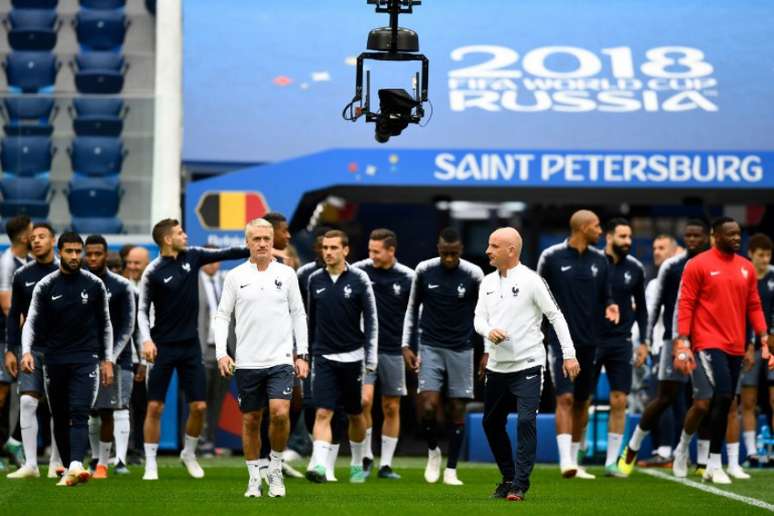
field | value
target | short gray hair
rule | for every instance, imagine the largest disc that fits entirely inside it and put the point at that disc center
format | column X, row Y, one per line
column 258, row 223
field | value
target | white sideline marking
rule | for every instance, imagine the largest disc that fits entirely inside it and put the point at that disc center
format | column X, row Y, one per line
column 709, row 489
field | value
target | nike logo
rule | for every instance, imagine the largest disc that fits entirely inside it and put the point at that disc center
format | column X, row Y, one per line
column 54, row 298
column 531, row 377
column 430, row 285
column 714, row 273
column 245, row 285
column 566, row 268
column 167, row 280
column 490, row 292
column 29, row 283
column 317, row 291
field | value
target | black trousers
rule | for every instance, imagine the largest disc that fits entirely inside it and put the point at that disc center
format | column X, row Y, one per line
column 72, row 390
column 502, row 391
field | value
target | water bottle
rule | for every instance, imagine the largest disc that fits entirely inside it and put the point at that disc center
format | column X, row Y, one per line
column 762, row 445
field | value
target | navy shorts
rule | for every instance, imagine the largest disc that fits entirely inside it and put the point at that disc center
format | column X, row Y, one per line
column 617, row 361
column 186, row 359
column 32, row 382
column 337, row 385
column 716, row 374
column 584, row 383
column 255, row 387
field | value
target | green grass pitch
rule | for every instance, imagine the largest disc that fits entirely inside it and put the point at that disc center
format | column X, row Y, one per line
column 220, row 493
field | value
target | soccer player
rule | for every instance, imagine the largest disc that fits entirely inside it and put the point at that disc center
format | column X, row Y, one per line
column 69, row 319
column 31, row 388
column 19, row 230
column 717, row 281
column 439, row 318
column 759, row 251
column 170, row 284
column 627, row 280
column 577, row 274
column 340, row 296
column 105, row 420
column 671, row 382
column 281, row 235
column 264, row 296
column 511, row 303
column 339, row 422
column 391, row 282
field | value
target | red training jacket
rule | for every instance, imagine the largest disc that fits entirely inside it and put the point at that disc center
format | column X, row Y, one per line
column 718, row 293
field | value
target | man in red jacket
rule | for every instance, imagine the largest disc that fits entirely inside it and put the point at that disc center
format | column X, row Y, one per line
column 718, row 294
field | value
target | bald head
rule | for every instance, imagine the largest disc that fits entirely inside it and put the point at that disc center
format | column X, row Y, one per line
column 136, row 261
column 504, row 248
column 584, row 224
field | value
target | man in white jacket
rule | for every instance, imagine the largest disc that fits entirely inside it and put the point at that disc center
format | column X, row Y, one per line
column 271, row 348
column 511, row 303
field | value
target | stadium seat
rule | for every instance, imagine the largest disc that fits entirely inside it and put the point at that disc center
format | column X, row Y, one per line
column 98, row 117
column 97, row 225
column 34, row 4
column 90, row 197
column 29, row 116
column 32, row 29
column 31, row 72
column 101, row 29
column 99, row 72
column 25, row 195
column 97, row 156
column 26, row 156
column 103, row 4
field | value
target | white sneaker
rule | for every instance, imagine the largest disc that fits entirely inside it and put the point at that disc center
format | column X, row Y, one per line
column 263, row 474
column 716, row 476
column 192, row 465
column 253, row 489
column 290, row 471
column 568, row 471
column 330, row 475
column 450, row 477
column 680, row 463
column 54, row 469
column 291, row 455
column 25, row 472
column 276, row 483
column 738, row 473
column 433, row 468
column 151, row 473
column 583, row 474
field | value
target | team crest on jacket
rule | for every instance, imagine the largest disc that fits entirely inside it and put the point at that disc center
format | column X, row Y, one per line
column 461, row 291
column 627, row 277
column 347, row 292
column 186, row 267
column 278, row 284
column 84, row 297
column 594, row 269
column 396, row 288
column 745, row 272
column 770, row 284
column 515, row 291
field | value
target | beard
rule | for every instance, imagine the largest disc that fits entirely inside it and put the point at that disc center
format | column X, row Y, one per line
column 621, row 250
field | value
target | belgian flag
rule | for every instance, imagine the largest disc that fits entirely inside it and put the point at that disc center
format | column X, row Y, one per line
column 230, row 211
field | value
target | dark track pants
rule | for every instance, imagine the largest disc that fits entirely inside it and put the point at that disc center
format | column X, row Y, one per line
column 502, row 390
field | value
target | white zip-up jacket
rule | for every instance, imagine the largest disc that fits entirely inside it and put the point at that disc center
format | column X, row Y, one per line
column 516, row 304
column 270, row 316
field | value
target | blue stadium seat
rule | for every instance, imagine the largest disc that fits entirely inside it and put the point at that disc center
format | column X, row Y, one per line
column 103, row 4
column 31, row 72
column 29, row 116
column 25, row 195
column 99, row 72
column 34, row 4
column 26, row 155
column 94, row 196
column 97, row 225
column 97, row 156
column 32, row 29
column 101, row 29
column 98, row 117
